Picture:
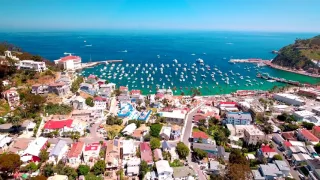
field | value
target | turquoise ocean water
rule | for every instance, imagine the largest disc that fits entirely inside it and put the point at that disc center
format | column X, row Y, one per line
column 157, row 48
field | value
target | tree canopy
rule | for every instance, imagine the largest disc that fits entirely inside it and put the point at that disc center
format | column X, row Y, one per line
column 99, row 167
column 200, row 153
column 155, row 143
column 155, row 130
column 9, row 162
column 83, row 169
column 182, row 150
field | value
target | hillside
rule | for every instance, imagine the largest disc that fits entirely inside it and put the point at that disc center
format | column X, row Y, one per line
column 303, row 54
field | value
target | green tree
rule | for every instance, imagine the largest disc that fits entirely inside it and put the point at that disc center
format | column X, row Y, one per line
column 176, row 163
column 155, row 130
column 236, row 157
column 144, row 168
column 200, row 153
column 32, row 167
column 307, row 125
column 91, row 176
column 166, row 155
column 317, row 148
column 155, row 143
column 76, row 84
column 182, row 150
column 111, row 134
column 47, row 169
column 267, row 128
column 70, row 172
column 277, row 157
column 89, row 101
column 39, row 177
column 99, row 167
column 9, row 162
column 83, row 169
column 44, row 155
column 75, row 136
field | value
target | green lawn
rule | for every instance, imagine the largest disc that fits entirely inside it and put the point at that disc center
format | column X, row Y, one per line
column 4, row 108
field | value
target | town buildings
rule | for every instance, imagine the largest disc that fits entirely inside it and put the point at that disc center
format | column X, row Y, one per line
column 69, row 62
column 32, row 65
column 238, row 118
column 289, row 99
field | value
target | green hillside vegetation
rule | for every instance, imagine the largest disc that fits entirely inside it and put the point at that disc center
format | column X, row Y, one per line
column 300, row 54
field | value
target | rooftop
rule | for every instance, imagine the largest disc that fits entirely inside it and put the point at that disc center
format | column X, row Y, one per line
column 184, row 171
column 76, row 149
column 200, row 134
column 308, row 135
column 290, row 96
column 58, row 124
column 176, row 114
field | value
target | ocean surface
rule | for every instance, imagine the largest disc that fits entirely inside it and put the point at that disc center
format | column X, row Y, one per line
column 156, row 50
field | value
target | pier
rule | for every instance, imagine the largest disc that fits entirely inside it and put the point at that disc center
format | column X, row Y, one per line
column 91, row 64
column 248, row 61
column 266, row 76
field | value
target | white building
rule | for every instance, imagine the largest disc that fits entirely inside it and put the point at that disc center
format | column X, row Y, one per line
column 175, row 117
column 58, row 151
column 100, row 102
column 165, row 132
column 300, row 115
column 164, row 170
column 238, row 118
column 91, row 152
column 129, row 129
column 69, row 62
column 12, row 96
column 253, row 135
column 289, row 99
column 129, row 148
column 32, row 65
column 9, row 55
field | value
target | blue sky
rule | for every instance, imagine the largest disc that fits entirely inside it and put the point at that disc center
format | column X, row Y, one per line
column 237, row 15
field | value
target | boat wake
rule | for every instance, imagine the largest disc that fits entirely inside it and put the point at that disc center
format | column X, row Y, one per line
column 229, row 43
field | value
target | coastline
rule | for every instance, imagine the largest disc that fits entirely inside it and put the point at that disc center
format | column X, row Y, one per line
column 269, row 63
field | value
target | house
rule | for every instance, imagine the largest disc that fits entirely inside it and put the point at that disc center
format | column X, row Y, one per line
column 32, row 65
column 79, row 103
column 91, row 89
column 69, row 62
column 146, row 153
column 288, row 136
column 174, row 117
column 5, row 140
column 166, row 146
column 238, row 118
column 135, row 94
column 63, row 126
column 124, row 90
column 164, row 171
column 253, row 135
column 165, row 132
column 112, row 157
column 295, row 150
column 33, row 150
column 19, row 145
column 91, row 152
column 300, row 115
column 129, row 129
column 277, row 139
column 40, row 89
column 133, row 167
column 215, row 167
column 58, row 177
column 289, row 99
column 256, row 175
column 157, row 153
column 270, row 171
column 200, row 137
column 183, row 173
column 266, row 152
column 100, row 102
column 59, row 150
column 12, row 97
column 283, row 167
column 307, row 136
column 210, row 148
column 60, row 89
column 129, row 148
column 175, row 131
column 300, row 158
column 106, row 90
column 140, row 132
column 76, row 152
column 316, row 131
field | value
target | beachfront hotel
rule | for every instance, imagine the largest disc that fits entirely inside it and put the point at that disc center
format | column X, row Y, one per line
column 69, row 62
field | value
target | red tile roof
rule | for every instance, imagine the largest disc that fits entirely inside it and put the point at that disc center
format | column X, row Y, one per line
column 145, row 146
column 76, row 149
column 288, row 135
column 91, row 76
column 287, row 144
column 135, row 91
column 92, row 147
column 199, row 117
column 308, row 135
column 99, row 98
column 316, row 128
column 123, row 88
column 146, row 153
column 68, row 58
column 200, row 134
column 267, row 149
column 58, row 124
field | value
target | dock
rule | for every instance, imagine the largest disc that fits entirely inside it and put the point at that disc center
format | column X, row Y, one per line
column 266, row 76
column 91, row 64
column 252, row 60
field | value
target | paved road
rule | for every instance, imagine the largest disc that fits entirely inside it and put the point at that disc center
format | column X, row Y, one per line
column 293, row 172
column 185, row 139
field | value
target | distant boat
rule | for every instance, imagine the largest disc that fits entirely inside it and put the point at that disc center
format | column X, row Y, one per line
column 88, row 45
column 274, row 52
column 84, row 41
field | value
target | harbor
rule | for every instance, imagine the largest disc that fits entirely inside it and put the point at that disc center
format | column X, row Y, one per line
column 92, row 64
column 266, row 76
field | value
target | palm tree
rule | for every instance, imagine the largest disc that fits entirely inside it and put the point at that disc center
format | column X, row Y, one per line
column 111, row 134
column 75, row 136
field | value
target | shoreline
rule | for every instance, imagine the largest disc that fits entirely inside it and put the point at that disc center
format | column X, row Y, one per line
column 269, row 64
